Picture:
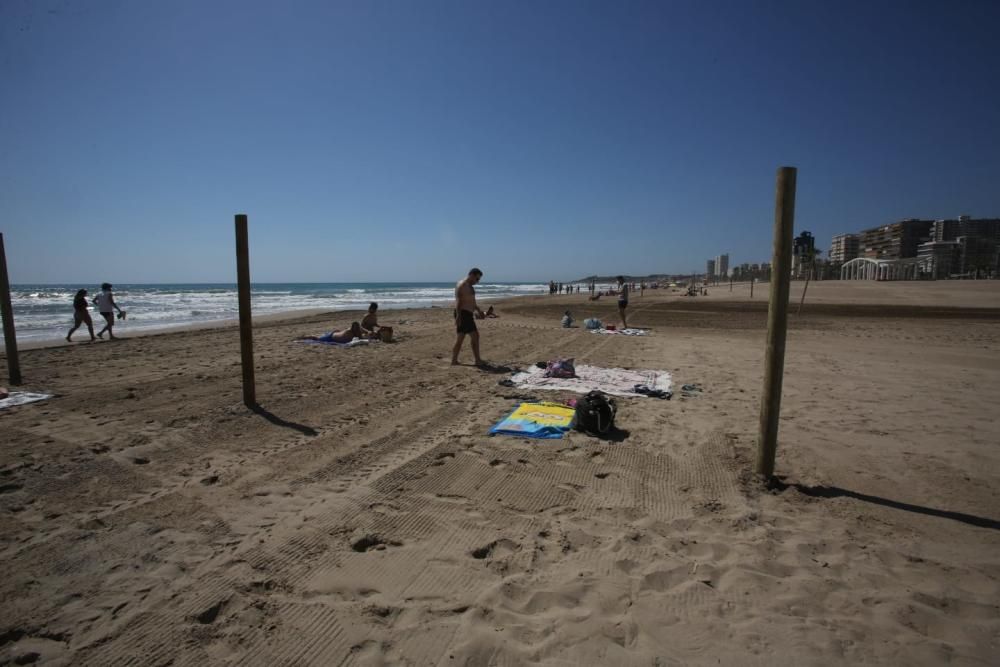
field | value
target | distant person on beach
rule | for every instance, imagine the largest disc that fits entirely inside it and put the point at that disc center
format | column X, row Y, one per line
column 345, row 336
column 465, row 315
column 622, row 299
column 80, row 315
column 105, row 302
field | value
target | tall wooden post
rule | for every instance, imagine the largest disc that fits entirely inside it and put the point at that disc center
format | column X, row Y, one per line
column 246, row 322
column 777, row 321
column 752, row 281
column 7, row 313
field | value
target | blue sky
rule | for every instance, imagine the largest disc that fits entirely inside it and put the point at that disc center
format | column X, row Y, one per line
column 411, row 140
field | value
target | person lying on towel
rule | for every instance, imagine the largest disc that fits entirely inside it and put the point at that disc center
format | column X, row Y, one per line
column 345, row 336
column 489, row 313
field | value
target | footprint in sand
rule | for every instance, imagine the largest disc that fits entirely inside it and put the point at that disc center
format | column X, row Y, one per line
column 373, row 543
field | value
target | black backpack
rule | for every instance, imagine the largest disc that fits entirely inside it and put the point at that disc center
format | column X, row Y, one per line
column 595, row 413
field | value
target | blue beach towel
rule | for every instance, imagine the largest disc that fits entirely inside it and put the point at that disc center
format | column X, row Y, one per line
column 327, row 341
column 547, row 421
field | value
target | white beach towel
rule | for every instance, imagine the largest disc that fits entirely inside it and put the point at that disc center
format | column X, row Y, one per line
column 617, row 381
column 623, row 332
column 20, row 398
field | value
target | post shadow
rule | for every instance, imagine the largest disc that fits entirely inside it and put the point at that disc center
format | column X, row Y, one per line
column 837, row 492
column 614, row 434
column 278, row 421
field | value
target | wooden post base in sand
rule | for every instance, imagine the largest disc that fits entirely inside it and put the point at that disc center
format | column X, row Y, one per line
column 777, row 321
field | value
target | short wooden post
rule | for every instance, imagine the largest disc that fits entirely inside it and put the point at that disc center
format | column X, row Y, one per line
column 246, row 322
column 752, row 281
column 777, row 321
column 7, row 313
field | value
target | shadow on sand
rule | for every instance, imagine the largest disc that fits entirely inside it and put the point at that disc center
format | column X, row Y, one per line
column 278, row 421
column 837, row 492
column 614, row 434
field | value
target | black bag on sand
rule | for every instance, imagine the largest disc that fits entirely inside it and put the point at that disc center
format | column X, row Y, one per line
column 595, row 413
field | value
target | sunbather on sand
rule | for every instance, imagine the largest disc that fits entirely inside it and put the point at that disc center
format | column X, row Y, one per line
column 488, row 314
column 345, row 336
column 369, row 323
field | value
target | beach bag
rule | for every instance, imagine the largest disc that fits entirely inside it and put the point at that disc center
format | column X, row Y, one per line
column 595, row 413
column 385, row 334
column 560, row 368
column 592, row 323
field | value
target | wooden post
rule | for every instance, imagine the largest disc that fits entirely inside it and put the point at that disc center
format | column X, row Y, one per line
column 777, row 321
column 7, row 313
column 246, row 323
column 752, row 281
column 730, row 283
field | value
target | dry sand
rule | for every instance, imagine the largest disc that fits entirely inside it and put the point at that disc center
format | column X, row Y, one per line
column 365, row 517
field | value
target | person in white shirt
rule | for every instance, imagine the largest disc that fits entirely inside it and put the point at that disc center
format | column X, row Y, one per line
column 105, row 303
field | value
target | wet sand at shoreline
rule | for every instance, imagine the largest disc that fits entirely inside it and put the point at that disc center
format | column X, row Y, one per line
column 363, row 516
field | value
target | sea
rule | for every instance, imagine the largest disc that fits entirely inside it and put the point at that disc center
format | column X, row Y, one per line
column 45, row 312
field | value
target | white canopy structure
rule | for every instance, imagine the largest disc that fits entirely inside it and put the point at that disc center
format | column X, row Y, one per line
column 863, row 268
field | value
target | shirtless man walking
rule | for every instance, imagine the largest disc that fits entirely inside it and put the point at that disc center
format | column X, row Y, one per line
column 465, row 315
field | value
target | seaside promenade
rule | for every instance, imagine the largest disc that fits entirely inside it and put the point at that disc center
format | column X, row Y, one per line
column 365, row 517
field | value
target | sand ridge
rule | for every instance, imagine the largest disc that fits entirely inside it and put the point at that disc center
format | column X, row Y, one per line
column 363, row 516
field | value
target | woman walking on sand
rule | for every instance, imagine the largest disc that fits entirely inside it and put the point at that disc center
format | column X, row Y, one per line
column 105, row 303
column 80, row 315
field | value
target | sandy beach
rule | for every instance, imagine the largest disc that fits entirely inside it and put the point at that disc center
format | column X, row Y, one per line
column 364, row 516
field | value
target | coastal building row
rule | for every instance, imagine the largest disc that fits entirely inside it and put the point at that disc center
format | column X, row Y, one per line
column 914, row 248
column 717, row 268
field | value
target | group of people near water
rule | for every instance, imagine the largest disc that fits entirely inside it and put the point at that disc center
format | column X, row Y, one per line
column 106, row 306
column 561, row 288
column 467, row 310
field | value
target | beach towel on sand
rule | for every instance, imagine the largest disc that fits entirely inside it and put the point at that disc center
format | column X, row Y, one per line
column 623, row 332
column 356, row 341
column 20, row 398
column 616, row 381
column 536, row 420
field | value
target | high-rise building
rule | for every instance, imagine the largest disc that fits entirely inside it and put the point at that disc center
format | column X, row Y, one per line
column 949, row 230
column 974, row 245
column 710, row 269
column 722, row 266
column 939, row 259
column 844, row 248
column 897, row 240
